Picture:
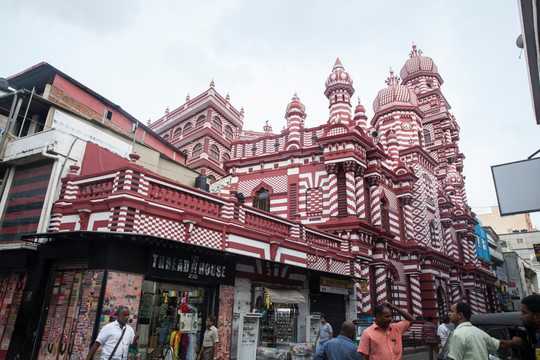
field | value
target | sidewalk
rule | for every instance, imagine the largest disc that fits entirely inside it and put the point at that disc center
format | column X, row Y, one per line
column 414, row 350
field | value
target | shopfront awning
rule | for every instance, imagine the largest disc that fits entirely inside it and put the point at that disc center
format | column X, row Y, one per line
column 289, row 296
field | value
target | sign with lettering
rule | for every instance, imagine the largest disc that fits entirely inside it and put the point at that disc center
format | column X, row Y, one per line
column 336, row 286
column 198, row 268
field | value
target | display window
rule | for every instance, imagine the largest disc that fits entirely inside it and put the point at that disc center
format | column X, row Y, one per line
column 171, row 320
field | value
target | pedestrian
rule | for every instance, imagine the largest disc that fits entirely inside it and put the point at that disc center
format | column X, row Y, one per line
column 469, row 342
column 429, row 336
column 530, row 316
column 382, row 340
column 443, row 331
column 324, row 334
column 115, row 338
column 210, row 342
column 341, row 347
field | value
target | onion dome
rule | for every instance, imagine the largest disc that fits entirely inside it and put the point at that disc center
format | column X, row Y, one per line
column 394, row 95
column 338, row 79
column 295, row 106
column 419, row 65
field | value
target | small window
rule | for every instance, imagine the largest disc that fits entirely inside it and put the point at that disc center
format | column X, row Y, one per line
column 177, row 133
column 429, row 85
column 433, row 234
column 216, row 122
column 214, row 152
column 166, row 137
column 225, row 157
column 228, row 132
column 188, row 127
column 212, row 178
column 108, row 114
column 427, row 136
column 197, row 149
column 200, row 120
column 385, row 219
column 261, row 200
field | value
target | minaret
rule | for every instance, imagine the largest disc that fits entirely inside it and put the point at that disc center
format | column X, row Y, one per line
column 295, row 115
column 339, row 91
column 360, row 118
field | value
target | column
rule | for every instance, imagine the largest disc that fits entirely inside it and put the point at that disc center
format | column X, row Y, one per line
column 332, row 170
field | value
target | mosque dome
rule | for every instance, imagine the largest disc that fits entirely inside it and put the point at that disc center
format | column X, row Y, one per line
column 338, row 78
column 394, row 95
column 419, row 65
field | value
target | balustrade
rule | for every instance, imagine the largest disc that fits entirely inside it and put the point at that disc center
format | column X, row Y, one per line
column 95, row 189
column 254, row 221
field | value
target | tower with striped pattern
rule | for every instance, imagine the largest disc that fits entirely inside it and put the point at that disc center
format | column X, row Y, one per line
column 339, row 91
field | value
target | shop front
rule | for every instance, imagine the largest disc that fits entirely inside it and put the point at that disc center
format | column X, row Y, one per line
column 170, row 291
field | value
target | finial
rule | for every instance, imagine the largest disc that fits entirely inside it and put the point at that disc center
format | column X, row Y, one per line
column 415, row 52
column 188, row 98
column 267, row 128
column 295, row 97
column 167, row 111
column 392, row 79
column 337, row 64
column 212, row 83
column 359, row 102
column 148, row 122
column 242, row 111
column 227, row 98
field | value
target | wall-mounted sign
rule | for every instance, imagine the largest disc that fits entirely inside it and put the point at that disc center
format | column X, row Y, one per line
column 501, row 275
column 200, row 268
column 336, row 286
column 536, row 248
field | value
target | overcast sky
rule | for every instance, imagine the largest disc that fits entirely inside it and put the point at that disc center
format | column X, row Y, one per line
column 147, row 55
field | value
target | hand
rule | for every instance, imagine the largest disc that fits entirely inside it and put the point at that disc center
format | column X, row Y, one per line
column 390, row 305
column 517, row 341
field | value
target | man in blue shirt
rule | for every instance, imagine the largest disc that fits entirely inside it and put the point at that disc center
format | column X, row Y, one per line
column 342, row 347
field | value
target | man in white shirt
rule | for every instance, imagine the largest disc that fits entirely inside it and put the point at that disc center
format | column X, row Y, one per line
column 115, row 338
column 443, row 331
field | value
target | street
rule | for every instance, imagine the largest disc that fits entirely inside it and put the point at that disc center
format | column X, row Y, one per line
column 423, row 355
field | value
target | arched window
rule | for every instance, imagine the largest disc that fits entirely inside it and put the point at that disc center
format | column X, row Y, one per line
column 385, row 220
column 225, row 157
column 200, row 120
column 228, row 132
column 261, row 200
column 166, row 137
column 212, row 178
column 427, row 136
column 185, row 151
column 197, row 149
column 433, row 233
column 177, row 132
column 187, row 127
column 216, row 122
column 214, row 152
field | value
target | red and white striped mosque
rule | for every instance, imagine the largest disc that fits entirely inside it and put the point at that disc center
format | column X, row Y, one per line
column 392, row 185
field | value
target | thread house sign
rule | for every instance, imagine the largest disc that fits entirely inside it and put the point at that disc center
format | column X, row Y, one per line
column 193, row 267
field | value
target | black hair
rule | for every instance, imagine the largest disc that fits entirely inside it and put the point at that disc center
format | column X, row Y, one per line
column 120, row 308
column 532, row 302
column 465, row 309
column 323, row 316
column 379, row 309
column 212, row 318
column 429, row 318
column 445, row 319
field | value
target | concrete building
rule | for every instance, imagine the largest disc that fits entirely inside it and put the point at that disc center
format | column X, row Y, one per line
column 523, row 243
column 522, row 280
column 497, row 261
column 505, row 224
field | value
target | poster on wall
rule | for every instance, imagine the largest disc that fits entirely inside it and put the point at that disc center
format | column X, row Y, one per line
column 11, row 285
column 122, row 289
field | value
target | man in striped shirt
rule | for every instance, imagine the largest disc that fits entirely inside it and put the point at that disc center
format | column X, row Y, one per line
column 429, row 336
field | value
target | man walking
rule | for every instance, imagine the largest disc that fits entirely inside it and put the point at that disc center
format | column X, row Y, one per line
column 209, row 348
column 470, row 343
column 382, row 340
column 443, row 331
column 115, row 338
column 340, row 348
column 324, row 334
column 429, row 336
column 530, row 316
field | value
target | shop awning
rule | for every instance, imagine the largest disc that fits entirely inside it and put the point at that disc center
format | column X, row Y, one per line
column 289, row 296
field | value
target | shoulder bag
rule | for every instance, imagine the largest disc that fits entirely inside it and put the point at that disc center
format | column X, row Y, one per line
column 118, row 343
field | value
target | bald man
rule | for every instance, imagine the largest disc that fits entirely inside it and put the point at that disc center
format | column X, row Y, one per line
column 342, row 347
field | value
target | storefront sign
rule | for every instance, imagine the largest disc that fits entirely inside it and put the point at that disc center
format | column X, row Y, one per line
column 336, row 286
column 537, row 251
column 194, row 267
column 501, row 275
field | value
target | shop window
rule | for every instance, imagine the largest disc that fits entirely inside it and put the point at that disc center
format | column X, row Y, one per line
column 214, row 152
column 216, row 123
column 228, row 132
column 197, row 149
column 261, row 200
column 200, row 120
column 188, row 127
column 177, row 133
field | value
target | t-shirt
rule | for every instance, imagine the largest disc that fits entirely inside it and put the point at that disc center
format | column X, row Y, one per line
column 443, row 332
column 324, row 332
column 470, row 343
column 429, row 331
column 537, row 350
column 210, row 337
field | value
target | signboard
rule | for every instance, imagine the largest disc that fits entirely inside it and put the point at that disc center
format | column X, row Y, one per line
column 336, row 286
column 193, row 267
column 536, row 248
column 83, row 130
column 501, row 275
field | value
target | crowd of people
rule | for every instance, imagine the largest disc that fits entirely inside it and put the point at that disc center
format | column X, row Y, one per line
column 381, row 341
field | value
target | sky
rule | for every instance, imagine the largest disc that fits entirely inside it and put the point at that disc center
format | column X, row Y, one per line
column 148, row 55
